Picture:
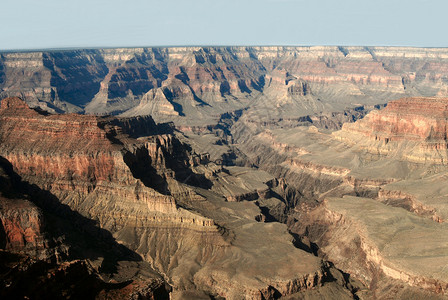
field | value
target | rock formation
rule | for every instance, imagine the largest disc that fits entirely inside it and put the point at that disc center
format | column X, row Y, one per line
column 128, row 175
column 364, row 196
column 44, row 254
column 420, row 123
column 254, row 186
column 185, row 84
column 22, row 225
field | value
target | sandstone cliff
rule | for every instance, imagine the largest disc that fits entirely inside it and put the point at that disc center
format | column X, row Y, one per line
column 392, row 161
column 129, row 177
column 44, row 254
column 187, row 83
column 418, row 123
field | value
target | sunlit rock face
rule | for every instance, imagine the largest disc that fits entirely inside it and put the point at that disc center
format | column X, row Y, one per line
column 188, row 84
column 407, row 119
column 420, row 124
column 128, row 176
column 283, row 165
column 365, row 191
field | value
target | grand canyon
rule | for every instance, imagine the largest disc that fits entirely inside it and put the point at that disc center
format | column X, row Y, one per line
column 224, row 173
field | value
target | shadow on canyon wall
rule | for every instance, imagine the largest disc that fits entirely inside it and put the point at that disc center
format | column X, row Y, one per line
column 80, row 234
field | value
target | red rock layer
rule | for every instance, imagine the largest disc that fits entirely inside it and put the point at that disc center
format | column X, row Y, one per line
column 22, row 225
column 415, row 129
column 71, row 153
column 132, row 80
column 423, row 119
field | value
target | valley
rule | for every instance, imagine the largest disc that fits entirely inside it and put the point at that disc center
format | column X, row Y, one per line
column 226, row 172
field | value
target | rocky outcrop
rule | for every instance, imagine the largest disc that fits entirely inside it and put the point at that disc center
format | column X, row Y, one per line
column 128, row 178
column 420, row 123
column 22, row 227
column 407, row 119
column 377, row 180
column 360, row 235
column 47, row 250
column 90, row 164
column 188, row 84
column 409, row 202
column 44, row 151
column 21, row 221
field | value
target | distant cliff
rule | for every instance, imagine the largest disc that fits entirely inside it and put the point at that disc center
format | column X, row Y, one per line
column 199, row 83
column 126, row 180
column 414, row 129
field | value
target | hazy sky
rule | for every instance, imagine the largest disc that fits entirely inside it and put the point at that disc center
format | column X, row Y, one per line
column 34, row 24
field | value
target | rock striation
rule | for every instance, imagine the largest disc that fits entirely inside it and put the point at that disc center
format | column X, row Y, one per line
column 362, row 197
column 187, row 84
column 135, row 181
column 89, row 164
column 368, row 199
column 22, row 222
column 420, row 123
column 366, row 238
column 43, row 254
column 407, row 119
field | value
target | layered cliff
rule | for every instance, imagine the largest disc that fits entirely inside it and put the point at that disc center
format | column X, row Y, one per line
column 130, row 177
column 50, row 250
column 418, row 123
column 44, row 151
column 210, row 229
column 354, row 195
column 91, row 165
column 192, row 84
column 381, row 245
column 21, row 222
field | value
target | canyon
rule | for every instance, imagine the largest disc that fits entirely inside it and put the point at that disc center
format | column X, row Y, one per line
column 182, row 84
column 225, row 172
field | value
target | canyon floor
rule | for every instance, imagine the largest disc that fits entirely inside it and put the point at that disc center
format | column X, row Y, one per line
column 224, row 173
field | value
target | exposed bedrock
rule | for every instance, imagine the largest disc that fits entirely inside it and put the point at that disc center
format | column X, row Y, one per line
column 414, row 129
column 161, row 201
column 22, row 227
column 379, row 245
column 184, row 203
column 362, row 191
column 192, row 84
column 48, row 249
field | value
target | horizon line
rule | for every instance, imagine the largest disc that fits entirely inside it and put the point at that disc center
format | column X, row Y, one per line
column 71, row 48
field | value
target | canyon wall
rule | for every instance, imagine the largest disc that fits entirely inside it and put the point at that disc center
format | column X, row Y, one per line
column 370, row 197
column 192, row 84
column 180, row 195
column 54, row 251
column 420, row 124
column 161, row 204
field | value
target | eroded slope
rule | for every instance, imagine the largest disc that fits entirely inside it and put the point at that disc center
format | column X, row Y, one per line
column 159, row 198
column 195, row 85
column 392, row 164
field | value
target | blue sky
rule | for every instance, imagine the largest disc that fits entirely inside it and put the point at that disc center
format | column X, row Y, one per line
column 36, row 24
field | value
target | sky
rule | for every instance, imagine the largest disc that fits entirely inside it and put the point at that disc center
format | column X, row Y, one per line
column 41, row 24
